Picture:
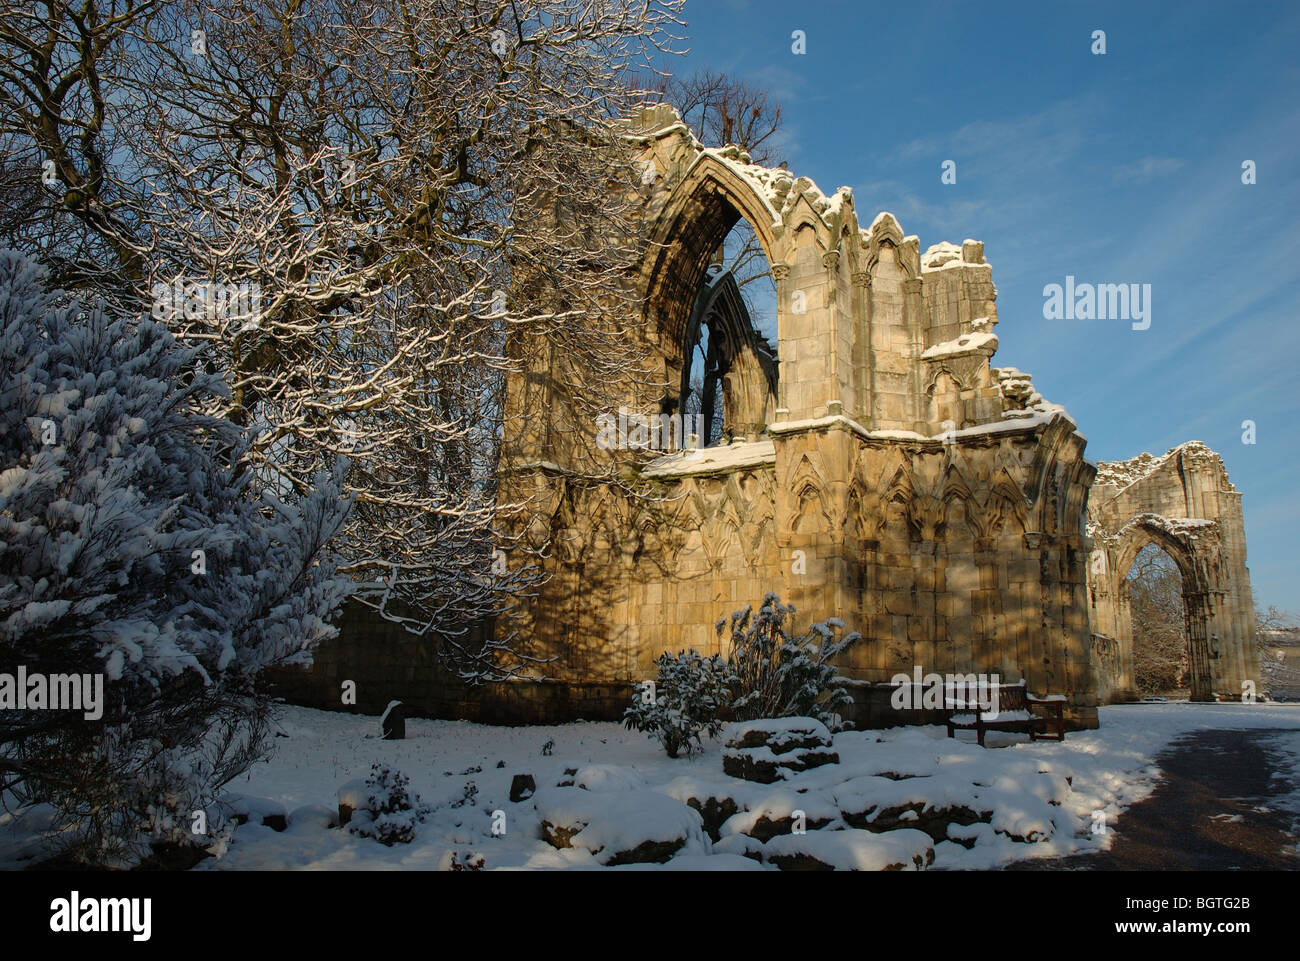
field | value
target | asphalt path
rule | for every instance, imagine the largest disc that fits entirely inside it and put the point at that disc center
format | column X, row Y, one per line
column 1210, row 812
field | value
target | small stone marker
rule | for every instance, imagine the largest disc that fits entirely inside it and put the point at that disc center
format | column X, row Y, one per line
column 522, row 787
column 393, row 723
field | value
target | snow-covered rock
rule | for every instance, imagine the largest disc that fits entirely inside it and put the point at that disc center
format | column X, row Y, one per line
column 245, row 807
column 927, row 804
column 608, row 777
column 716, row 799
column 770, row 749
column 851, row 850
column 619, row 827
column 778, row 811
column 778, row 733
column 740, row 845
column 352, row 797
column 312, row 817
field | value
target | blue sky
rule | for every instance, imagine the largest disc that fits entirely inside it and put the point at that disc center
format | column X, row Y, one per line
column 1122, row 168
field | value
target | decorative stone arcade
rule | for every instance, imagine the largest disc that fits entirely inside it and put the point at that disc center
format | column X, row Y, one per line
column 1185, row 504
column 897, row 482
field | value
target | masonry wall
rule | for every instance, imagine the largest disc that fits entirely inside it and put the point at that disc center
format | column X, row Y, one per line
column 930, row 501
column 387, row 663
column 887, row 537
column 1184, row 502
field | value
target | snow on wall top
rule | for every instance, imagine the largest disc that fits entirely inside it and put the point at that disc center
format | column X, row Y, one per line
column 704, row 460
column 1124, row 473
column 777, row 187
column 939, row 254
column 945, row 255
column 780, row 189
column 965, row 344
column 1019, row 398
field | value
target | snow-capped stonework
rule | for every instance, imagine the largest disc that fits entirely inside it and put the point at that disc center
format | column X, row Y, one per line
column 875, row 467
column 1194, row 454
column 878, row 469
column 1184, row 502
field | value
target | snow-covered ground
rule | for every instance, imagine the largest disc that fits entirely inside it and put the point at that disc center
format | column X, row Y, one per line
column 1032, row 799
column 1107, row 770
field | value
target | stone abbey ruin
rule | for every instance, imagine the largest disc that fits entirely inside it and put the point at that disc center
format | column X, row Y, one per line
column 875, row 467
column 1184, row 503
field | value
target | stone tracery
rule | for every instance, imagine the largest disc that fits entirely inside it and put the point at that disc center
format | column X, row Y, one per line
column 933, row 502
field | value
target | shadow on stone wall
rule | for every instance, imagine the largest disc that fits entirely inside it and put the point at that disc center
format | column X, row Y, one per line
column 387, row 663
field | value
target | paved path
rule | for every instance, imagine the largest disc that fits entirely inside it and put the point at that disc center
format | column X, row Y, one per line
column 1205, row 815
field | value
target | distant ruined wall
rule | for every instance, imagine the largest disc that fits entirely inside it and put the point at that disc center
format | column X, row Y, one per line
column 1184, row 503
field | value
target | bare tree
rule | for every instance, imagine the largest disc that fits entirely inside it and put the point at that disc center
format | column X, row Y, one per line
column 1160, row 662
column 351, row 206
column 722, row 110
column 1272, row 618
column 1277, row 643
column 725, row 110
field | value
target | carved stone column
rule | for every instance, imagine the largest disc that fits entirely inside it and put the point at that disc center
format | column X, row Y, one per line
column 780, row 274
column 863, row 355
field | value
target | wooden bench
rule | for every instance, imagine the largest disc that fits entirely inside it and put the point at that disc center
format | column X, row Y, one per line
column 1015, row 712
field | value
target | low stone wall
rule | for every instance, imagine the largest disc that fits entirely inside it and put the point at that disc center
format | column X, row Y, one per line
column 872, row 709
column 387, row 663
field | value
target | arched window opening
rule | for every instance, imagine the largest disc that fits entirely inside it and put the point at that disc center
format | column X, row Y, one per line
column 1154, row 585
column 729, row 377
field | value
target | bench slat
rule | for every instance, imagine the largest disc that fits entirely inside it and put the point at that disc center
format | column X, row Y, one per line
column 1014, row 714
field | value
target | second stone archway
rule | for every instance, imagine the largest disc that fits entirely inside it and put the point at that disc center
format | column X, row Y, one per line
column 1185, row 504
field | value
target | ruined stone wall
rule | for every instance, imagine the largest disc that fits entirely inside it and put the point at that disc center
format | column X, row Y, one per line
column 1185, row 503
column 932, row 502
column 896, row 480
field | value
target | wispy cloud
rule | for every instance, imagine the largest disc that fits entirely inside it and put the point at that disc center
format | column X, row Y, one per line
column 1007, row 169
column 784, row 83
column 1044, row 140
column 1147, row 169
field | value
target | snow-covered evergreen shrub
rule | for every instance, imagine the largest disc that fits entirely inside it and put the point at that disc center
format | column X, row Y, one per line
column 392, row 811
column 134, row 546
column 782, row 676
column 690, row 690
